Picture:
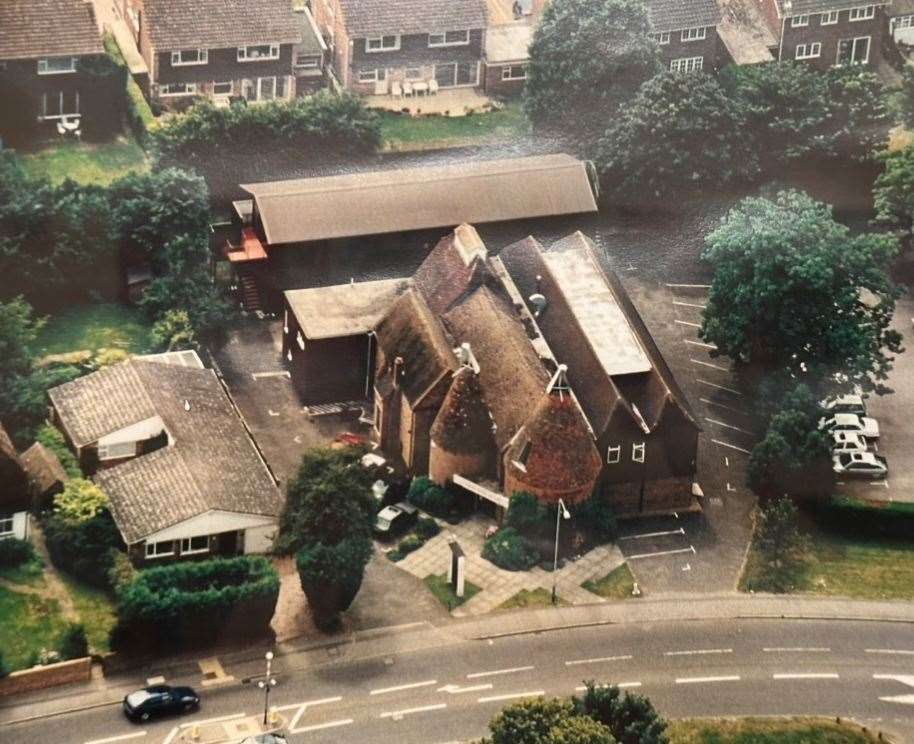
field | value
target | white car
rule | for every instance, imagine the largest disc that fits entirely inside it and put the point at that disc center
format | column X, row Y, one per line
column 862, row 464
column 851, row 403
column 848, row 441
column 864, row 425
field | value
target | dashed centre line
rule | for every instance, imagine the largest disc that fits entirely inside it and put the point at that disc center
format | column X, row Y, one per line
column 699, row 651
column 599, row 660
column 897, row 651
column 700, row 680
column 511, row 696
column 806, row 675
column 409, row 711
column 397, row 688
column 795, row 649
column 477, row 675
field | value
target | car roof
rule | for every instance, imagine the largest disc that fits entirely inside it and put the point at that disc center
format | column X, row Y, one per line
column 389, row 512
column 406, row 507
column 846, row 418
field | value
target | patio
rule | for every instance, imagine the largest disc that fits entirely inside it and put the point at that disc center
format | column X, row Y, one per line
column 446, row 102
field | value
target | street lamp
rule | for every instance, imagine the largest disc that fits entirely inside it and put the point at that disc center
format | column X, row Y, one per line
column 787, row 6
column 266, row 684
column 564, row 514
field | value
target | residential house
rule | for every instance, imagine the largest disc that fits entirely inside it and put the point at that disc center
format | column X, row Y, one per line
column 46, row 475
column 828, row 33
column 218, row 49
column 686, row 31
column 15, row 500
column 901, row 21
column 168, row 447
column 373, row 45
column 309, row 55
column 507, row 57
column 47, row 50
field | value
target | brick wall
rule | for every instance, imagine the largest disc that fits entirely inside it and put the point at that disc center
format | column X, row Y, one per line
column 495, row 86
column 829, row 36
column 707, row 49
column 43, row 677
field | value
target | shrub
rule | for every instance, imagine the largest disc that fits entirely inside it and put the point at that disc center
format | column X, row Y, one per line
column 173, row 331
column 80, row 501
column 83, row 549
column 395, row 555
column 597, row 516
column 429, row 496
column 53, row 440
column 331, row 576
column 526, row 514
column 15, row 552
column 427, row 528
column 72, row 643
column 510, row 551
column 122, row 571
column 409, row 544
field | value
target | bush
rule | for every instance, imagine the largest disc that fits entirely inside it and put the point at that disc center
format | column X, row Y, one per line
column 331, row 576
column 80, row 501
column 527, row 515
column 122, row 571
column 173, row 331
column 83, row 549
column 409, row 544
column 15, row 552
column 430, row 497
column 395, row 555
column 72, row 643
column 427, row 528
column 597, row 516
column 510, row 551
column 860, row 519
column 54, row 442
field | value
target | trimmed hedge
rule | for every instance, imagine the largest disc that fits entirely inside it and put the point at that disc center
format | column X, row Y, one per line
column 83, row 549
column 510, row 551
column 427, row 528
column 857, row 518
column 430, row 497
column 15, row 552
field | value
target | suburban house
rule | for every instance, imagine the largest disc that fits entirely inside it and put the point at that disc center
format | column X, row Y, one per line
column 686, row 31
column 218, row 49
column 47, row 48
column 15, row 499
column 901, row 21
column 828, row 33
column 422, row 44
column 309, row 55
column 166, row 444
column 506, row 58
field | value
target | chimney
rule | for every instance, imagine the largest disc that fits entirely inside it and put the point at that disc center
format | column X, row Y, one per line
column 398, row 371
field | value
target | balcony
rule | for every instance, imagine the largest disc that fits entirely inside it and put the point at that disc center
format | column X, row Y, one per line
column 251, row 249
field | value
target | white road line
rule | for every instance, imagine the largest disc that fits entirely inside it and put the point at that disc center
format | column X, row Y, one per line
column 410, row 711
column 171, row 735
column 597, row 661
column 211, row 720
column 724, row 406
column 511, row 696
column 413, row 685
column 806, row 675
column 319, row 726
column 731, row 446
column 702, row 344
column 726, row 389
column 477, row 675
column 729, row 426
column 897, row 651
column 699, row 651
column 122, row 737
column 689, row 304
column 687, row 323
column 689, row 549
column 680, row 531
column 620, row 685
column 689, row 286
column 699, row 680
column 708, row 364
column 795, row 649
column 458, row 690
column 309, row 703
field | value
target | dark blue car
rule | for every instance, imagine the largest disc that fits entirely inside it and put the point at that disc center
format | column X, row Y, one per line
column 160, row 700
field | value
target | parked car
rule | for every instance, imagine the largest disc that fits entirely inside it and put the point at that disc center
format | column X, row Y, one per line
column 848, row 441
column 864, row 425
column 851, row 403
column 160, row 700
column 861, row 464
column 393, row 520
column 266, row 739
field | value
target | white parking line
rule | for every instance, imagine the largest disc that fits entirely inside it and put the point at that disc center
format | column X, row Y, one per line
column 171, row 735
column 597, row 660
column 699, row 651
column 212, row 720
column 689, row 304
column 511, row 696
column 122, row 737
column 687, row 323
column 806, row 675
column 413, row 685
column 620, row 685
column 689, row 549
column 309, row 703
column 708, row 364
column 702, row 344
column 896, row 651
column 795, row 649
column 729, row 426
column 477, row 675
column 410, row 711
column 732, row 409
column 320, row 726
column 699, row 680
column 732, row 446
column 278, row 373
column 718, row 387
column 680, row 531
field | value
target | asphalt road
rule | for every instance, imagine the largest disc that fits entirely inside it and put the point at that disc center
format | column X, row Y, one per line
column 448, row 694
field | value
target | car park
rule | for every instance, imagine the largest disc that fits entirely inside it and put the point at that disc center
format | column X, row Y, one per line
column 860, row 464
column 393, row 520
column 864, row 425
column 848, row 441
column 160, row 700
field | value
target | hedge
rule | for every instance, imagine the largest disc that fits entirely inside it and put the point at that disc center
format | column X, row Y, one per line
column 510, row 551
column 430, row 497
column 84, row 549
column 15, row 552
column 859, row 519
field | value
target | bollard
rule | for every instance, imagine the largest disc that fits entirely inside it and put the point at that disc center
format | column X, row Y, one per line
column 195, row 733
column 636, row 592
column 274, row 716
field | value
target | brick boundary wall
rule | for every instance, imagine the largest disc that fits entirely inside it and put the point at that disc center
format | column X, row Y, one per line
column 42, row 677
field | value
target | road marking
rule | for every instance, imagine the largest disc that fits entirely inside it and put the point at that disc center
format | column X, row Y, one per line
column 395, row 714
column 122, row 737
column 597, row 661
column 309, row 703
column 211, row 720
column 905, row 679
column 699, row 651
column 708, row 364
column 805, row 675
column 413, row 685
column 719, row 387
column 702, row 344
column 897, row 651
column 687, row 323
column 699, row 680
column 689, row 549
column 279, row 373
column 319, row 726
column 730, row 426
column 689, row 304
column 458, row 690
column 731, row 446
column 794, row 649
column 620, row 685
column 680, row 531
column 732, row 409
column 511, row 696
column 477, row 675
column 171, row 735
column 688, row 286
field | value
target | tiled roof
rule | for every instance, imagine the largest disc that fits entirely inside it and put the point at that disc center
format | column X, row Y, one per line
column 674, row 15
column 375, row 17
column 214, row 24
column 44, row 469
column 13, row 480
column 47, row 28
column 801, row 7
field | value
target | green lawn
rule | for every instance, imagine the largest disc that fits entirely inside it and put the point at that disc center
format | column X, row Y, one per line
column 617, row 584
column 94, row 327
column 96, row 612
column 531, row 599
column 30, row 573
column 402, row 132
column 765, row 731
column 439, row 586
column 86, row 162
column 27, row 624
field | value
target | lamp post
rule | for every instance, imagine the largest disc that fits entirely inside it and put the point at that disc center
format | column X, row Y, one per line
column 266, row 684
column 560, row 513
column 787, row 7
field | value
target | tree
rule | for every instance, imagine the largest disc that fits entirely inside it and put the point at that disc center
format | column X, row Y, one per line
column 83, row 548
column 906, row 98
column 80, row 501
column 72, row 643
column 794, row 291
column 331, row 576
column 580, row 730
column 893, row 191
column 859, row 121
column 780, row 544
column 530, row 721
column 173, row 332
column 631, row 719
column 526, row 514
column 587, row 57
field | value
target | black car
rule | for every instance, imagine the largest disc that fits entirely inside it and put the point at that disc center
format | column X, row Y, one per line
column 392, row 520
column 160, row 700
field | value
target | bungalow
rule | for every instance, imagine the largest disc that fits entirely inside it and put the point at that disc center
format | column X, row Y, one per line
column 686, row 31
column 14, row 491
column 168, row 447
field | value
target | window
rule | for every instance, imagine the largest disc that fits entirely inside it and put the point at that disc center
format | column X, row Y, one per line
column 371, row 76
column 809, row 51
column 56, row 65
column 638, row 452
column 258, row 52
column 614, row 454
column 830, row 18
column 116, row 450
column 265, row 88
column 906, row 21
column 864, row 13
column 189, row 57
column 449, row 38
column 694, row 34
column 307, row 61
column 854, row 51
column 382, row 43
column 798, row 21
column 301, row 340
column 687, row 64
column 160, row 549
column 178, row 89
column 413, row 73
column 190, row 545
column 59, row 105
column 514, row 72
column 6, row 525
column 223, row 89
column 662, row 38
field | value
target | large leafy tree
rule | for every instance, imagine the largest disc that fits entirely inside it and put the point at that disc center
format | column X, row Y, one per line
column 530, row 721
column 794, row 291
column 587, row 57
column 681, row 132
column 631, row 719
column 893, row 191
column 781, row 544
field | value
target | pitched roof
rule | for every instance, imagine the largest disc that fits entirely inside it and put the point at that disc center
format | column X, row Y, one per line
column 377, row 202
column 213, row 24
column 13, row 480
column 48, row 28
column 454, row 266
column 44, row 469
column 901, row 7
column 801, row 7
column 463, row 424
column 375, row 17
column 674, row 15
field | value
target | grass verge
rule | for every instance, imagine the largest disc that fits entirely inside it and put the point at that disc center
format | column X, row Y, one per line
column 765, row 731
column 96, row 612
column 94, row 327
column 402, row 132
column 439, row 586
column 617, row 584
column 86, row 162
column 28, row 623
column 531, row 599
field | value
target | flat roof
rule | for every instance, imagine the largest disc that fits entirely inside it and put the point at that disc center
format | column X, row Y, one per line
column 343, row 309
column 378, row 202
column 597, row 311
column 508, row 43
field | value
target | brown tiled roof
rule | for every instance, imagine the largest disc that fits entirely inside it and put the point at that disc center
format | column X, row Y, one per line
column 674, row 15
column 47, row 28
column 375, row 17
column 214, row 24
column 44, row 469
column 13, row 480
column 463, row 424
column 454, row 266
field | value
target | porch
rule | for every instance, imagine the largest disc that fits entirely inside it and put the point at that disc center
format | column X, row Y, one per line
column 446, row 102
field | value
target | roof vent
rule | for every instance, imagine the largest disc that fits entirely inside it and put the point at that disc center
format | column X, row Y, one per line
column 559, row 382
column 186, row 404
column 539, row 303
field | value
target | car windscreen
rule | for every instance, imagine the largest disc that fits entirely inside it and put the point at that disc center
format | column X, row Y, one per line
column 136, row 699
column 382, row 523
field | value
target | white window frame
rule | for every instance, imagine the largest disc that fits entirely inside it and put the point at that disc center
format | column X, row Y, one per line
column 810, row 50
column 153, row 552
column 313, row 63
column 187, row 542
column 116, row 451
column 638, row 452
column 799, row 21
column 829, row 18
column 697, row 33
column 869, row 44
column 363, row 76
column 862, row 13
column 413, row 73
column 444, row 40
column 687, row 64
column 614, row 454
column 369, row 40
column 229, row 83
column 44, row 69
column 6, row 531
column 905, row 21
column 507, row 72
column 662, row 38
column 60, row 98
column 244, row 53
column 202, row 57
column 300, row 340
column 190, row 89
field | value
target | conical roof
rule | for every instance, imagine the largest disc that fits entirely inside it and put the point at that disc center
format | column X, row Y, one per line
column 463, row 424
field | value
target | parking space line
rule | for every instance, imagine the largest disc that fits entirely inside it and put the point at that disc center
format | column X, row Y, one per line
column 597, row 661
column 731, row 446
column 690, row 549
column 730, row 426
column 413, row 685
column 719, row 387
column 171, row 735
column 477, row 675
column 708, row 364
column 702, row 344
column 687, row 323
column 680, row 531
column 688, row 304
column 732, row 409
column 688, row 286
column 122, row 737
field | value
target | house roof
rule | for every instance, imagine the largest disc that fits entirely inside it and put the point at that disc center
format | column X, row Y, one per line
column 801, row 7
column 377, row 202
column 343, row 309
column 48, row 28
column 214, row 24
column 463, row 424
column 13, row 480
column 508, row 43
column 454, row 266
column 901, row 7
column 376, row 17
column 43, row 468
column 674, row 15
column 311, row 40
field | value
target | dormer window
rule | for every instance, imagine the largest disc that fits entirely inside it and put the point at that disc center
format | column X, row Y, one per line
column 382, row 43
column 258, row 52
column 638, row 452
column 449, row 38
column 56, row 65
column 189, row 57
column 613, row 454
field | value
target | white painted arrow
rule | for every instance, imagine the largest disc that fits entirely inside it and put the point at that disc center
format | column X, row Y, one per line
column 905, row 679
column 457, row 689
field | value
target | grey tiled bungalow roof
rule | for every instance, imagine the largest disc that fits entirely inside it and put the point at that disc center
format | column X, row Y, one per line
column 377, row 17
column 801, row 7
column 213, row 24
column 47, row 28
column 673, row 15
